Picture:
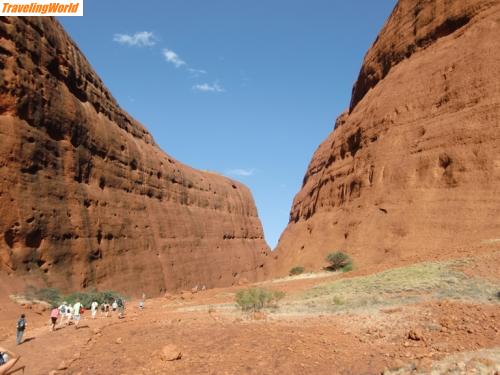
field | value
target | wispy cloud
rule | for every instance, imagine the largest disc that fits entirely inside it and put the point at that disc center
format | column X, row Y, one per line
column 206, row 87
column 173, row 58
column 147, row 39
column 196, row 72
column 241, row 172
column 140, row 39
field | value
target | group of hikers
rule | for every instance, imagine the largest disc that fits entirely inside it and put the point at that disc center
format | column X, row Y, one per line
column 71, row 314
column 66, row 314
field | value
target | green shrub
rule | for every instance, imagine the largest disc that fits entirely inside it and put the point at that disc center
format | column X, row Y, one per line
column 338, row 301
column 296, row 270
column 278, row 295
column 49, row 295
column 339, row 261
column 347, row 267
column 86, row 298
column 257, row 298
column 53, row 296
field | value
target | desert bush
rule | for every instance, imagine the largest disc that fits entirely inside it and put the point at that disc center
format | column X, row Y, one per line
column 338, row 301
column 257, row 298
column 296, row 270
column 347, row 268
column 278, row 295
column 339, row 261
column 49, row 295
column 86, row 298
column 53, row 296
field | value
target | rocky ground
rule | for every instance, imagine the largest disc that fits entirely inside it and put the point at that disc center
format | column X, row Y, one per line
column 443, row 318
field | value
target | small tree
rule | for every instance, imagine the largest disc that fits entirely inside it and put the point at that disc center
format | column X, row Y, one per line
column 257, row 298
column 339, row 261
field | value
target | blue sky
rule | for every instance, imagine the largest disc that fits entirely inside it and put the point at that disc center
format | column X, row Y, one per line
column 245, row 88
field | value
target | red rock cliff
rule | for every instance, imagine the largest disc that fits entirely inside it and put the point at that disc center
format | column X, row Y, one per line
column 414, row 166
column 87, row 198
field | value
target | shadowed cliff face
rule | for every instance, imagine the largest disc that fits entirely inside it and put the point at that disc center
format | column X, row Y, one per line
column 414, row 166
column 86, row 197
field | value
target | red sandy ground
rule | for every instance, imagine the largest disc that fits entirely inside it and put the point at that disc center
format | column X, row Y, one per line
column 222, row 342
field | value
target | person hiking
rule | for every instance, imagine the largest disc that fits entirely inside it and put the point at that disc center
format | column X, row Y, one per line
column 21, row 326
column 93, row 308
column 121, row 308
column 62, row 312
column 69, row 313
column 54, row 314
column 114, row 305
column 8, row 360
column 106, row 309
column 143, row 300
column 77, row 310
column 101, row 307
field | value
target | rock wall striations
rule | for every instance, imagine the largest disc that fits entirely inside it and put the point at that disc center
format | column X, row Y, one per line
column 86, row 197
column 413, row 167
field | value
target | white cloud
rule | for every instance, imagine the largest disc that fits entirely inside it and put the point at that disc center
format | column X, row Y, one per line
column 196, row 72
column 205, row 87
column 241, row 172
column 173, row 58
column 140, row 39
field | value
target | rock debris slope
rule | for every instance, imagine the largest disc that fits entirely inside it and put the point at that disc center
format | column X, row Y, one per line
column 87, row 199
column 413, row 166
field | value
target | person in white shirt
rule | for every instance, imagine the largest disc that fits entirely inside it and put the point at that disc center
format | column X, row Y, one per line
column 143, row 300
column 69, row 313
column 76, row 312
column 93, row 308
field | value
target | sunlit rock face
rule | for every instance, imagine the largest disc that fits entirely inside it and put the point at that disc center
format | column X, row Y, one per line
column 87, row 199
column 413, row 166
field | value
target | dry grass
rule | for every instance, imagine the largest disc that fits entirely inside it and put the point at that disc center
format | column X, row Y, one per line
column 431, row 280
column 394, row 287
column 302, row 276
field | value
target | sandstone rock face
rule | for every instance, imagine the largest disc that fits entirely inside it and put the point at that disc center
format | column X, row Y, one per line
column 413, row 166
column 86, row 197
